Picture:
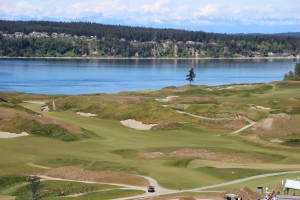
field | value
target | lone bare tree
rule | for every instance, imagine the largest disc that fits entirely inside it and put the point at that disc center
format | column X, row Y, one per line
column 191, row 76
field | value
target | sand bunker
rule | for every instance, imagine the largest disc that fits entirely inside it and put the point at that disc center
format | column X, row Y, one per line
column 12, row 135
column 267, row 124
column 86, row 114
column 45, row 109
column 137, row 124
column 260, row 107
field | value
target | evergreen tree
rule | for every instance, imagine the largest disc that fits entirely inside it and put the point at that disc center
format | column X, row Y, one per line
column 297, row 71
column 34, row 184
column 190, row 77
column 295, row 76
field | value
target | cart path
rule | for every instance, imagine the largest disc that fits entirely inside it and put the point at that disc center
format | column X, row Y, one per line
column 163, row 191
column 201, row 189
column 251, row 123
column 151, row 181
column 132, row 187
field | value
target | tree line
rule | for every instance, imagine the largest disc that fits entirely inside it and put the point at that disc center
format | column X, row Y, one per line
column 293, row 75
column 126, row 41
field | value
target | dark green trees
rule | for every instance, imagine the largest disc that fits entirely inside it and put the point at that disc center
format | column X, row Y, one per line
column 297, row 70
column 295, row 76
column 191, row 76
column 34, row 184
column 75, row 39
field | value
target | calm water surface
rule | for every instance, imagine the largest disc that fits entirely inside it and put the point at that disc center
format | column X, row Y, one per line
column 46, row 76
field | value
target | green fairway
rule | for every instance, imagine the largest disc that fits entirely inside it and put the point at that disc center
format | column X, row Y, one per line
column 182, row 151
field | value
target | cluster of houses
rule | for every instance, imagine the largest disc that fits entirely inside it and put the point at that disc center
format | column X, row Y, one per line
column 36, row 34
column 166, row 43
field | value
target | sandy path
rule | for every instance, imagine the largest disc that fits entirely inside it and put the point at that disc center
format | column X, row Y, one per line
column 94, row 182
column 36, row 102
column 169, row 98
column 198, row 116
column 216, row 119
column 38, row 166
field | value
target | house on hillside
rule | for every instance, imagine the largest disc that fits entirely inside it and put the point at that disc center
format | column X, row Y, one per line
column 19, row 34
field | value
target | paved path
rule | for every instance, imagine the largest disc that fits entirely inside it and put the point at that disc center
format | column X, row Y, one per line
column 162, row 191
column 94, row 182
column 201, row 189
column 251, row 123
column 198, row 116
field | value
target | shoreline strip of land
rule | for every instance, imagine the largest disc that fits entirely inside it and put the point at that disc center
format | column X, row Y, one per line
column 150, row 58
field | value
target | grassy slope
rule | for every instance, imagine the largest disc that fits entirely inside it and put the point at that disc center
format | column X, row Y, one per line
column 54, row 188
column 117, row 147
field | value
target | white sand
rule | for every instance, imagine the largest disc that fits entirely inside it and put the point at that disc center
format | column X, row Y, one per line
column 45, row 109
column 137, row 124
column 276, row 141
column 265, row 124
column 12, row 135
column 86, row 114
column 260, row 107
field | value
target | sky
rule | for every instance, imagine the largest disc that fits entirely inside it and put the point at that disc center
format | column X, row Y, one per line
column 220, row 16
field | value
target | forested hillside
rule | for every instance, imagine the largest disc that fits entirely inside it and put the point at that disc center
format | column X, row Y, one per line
column 44, row 38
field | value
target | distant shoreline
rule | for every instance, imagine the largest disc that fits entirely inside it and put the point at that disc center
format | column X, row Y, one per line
column 133, row 58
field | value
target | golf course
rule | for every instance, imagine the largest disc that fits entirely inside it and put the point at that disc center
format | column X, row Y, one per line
column 184, row 139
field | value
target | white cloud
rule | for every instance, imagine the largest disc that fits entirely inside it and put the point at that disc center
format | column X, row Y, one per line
column 208, row 10
column 159, row 12
column 160, row 6
column 22, row 8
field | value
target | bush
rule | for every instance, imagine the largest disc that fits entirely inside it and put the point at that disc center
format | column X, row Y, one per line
column 10, row 179
column 49, row 130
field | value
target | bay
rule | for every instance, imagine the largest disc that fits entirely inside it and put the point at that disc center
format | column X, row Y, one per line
column 83, row 76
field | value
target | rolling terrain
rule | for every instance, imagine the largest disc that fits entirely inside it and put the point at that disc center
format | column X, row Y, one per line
column 201, row 136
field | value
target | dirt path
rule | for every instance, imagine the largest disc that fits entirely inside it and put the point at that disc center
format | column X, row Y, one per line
column 35, row 102
column 38, row 166
column 94, row 182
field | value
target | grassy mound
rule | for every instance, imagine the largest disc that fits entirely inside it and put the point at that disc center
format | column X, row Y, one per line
column 55, row 188
column 7, row 180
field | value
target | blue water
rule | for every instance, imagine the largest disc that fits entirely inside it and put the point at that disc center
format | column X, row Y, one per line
column 46, row 76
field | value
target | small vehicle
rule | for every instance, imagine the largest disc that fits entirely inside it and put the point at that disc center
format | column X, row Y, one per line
column 151, row 188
